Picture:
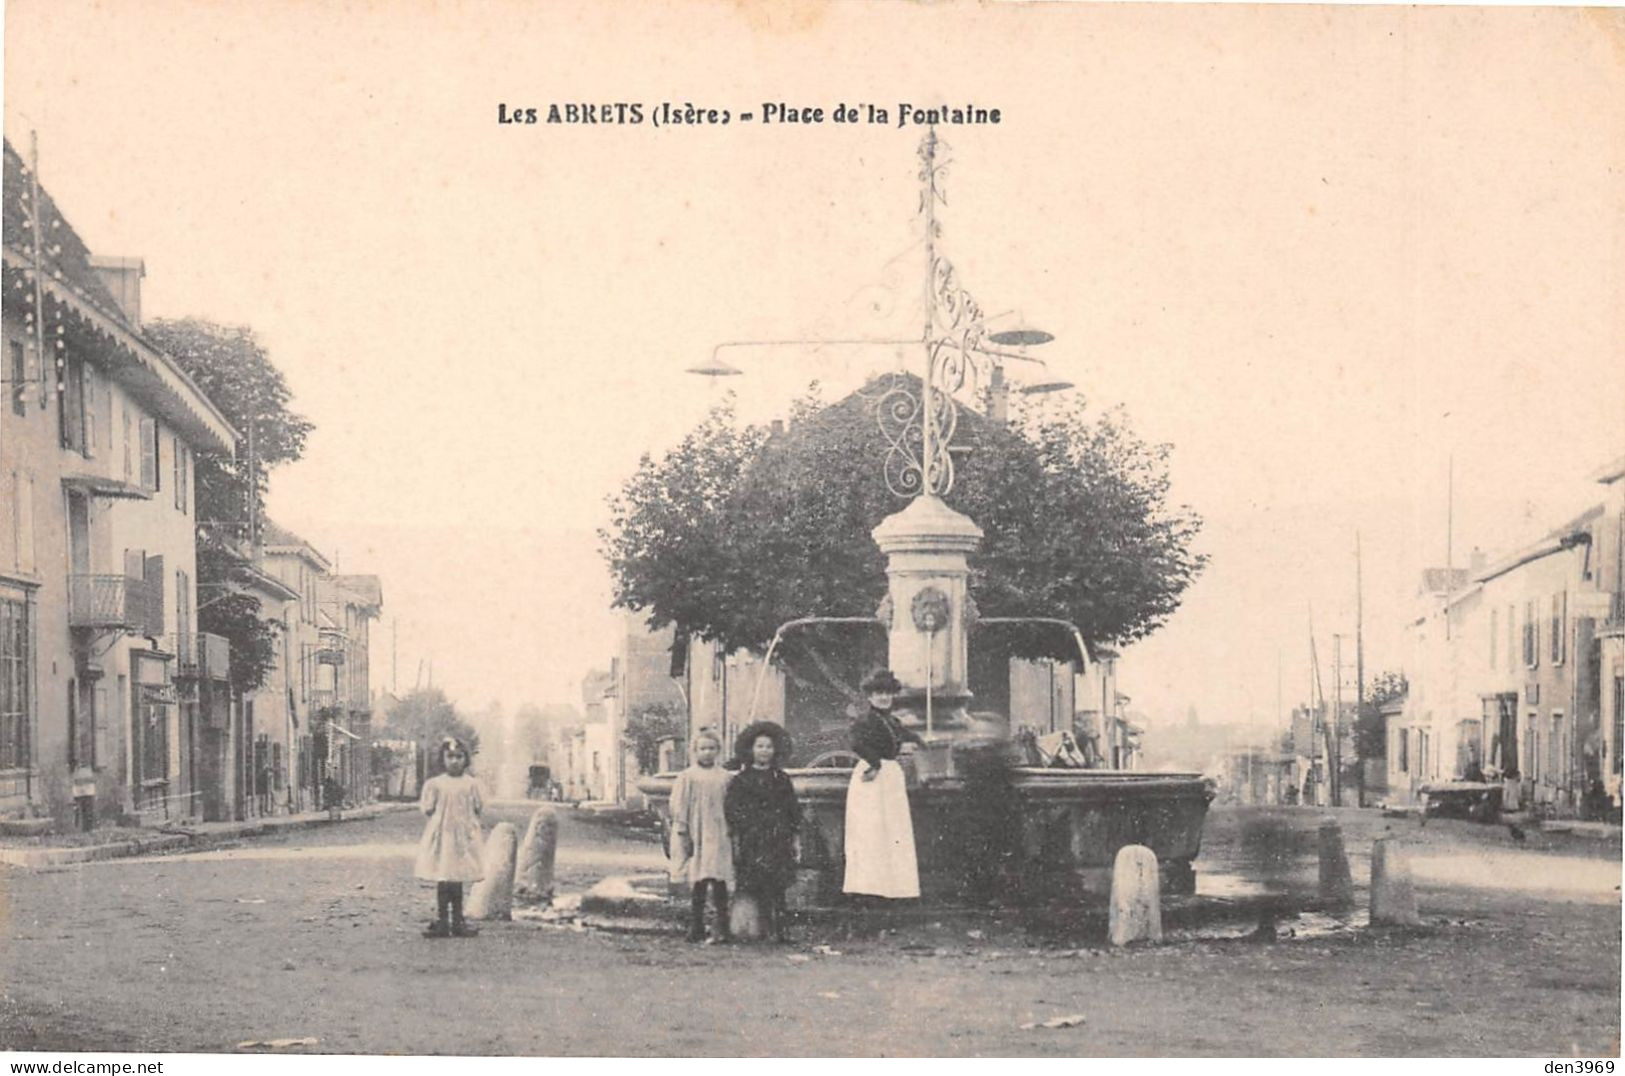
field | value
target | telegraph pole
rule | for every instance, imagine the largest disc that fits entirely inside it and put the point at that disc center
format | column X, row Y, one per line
column 1359, row 663
column 1336, row 760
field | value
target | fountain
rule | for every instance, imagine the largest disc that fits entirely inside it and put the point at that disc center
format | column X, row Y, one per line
column 982, row 825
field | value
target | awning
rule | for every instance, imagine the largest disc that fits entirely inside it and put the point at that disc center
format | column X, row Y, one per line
column 110, row 488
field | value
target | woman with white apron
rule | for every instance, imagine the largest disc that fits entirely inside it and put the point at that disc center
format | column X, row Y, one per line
column 880, row 858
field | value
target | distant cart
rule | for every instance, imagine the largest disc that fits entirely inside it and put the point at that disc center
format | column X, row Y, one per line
column 1477, row 801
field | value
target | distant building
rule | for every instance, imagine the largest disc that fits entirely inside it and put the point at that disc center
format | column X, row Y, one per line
column 325, row 731
column 1514, row 666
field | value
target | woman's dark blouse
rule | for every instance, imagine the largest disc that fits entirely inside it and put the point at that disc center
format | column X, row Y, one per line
column 763, row 815
column 878, row 735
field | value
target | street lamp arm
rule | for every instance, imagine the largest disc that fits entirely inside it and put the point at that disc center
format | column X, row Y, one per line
column 866, row 342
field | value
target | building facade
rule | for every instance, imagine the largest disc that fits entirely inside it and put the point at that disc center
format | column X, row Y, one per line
column 312, row 722
column 112, row 705
column 1517, row 669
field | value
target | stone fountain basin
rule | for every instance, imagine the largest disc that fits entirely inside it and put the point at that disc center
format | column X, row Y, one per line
column 1039, row 834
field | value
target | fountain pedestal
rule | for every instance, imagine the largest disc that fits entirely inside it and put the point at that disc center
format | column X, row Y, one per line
column 927, row 612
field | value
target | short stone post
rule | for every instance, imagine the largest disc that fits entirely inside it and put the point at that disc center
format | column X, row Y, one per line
column 1393, row 896
column 745, row 920
column 1336, row 882
column 492, row 896
column 1136, row 912
column 533, row 878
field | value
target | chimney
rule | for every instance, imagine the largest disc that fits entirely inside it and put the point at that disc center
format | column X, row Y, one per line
column 1477, row 562
column 123, row 278
column 778, row 427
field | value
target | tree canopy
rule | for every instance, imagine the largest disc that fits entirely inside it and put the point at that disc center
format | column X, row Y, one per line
column 739, row 529
column 235, row 372
column 428, row 717
column 1371, row 738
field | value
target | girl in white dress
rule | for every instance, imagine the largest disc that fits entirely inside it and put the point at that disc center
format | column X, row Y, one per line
column 449, row 853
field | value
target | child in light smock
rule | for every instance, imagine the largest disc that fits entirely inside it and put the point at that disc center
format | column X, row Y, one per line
column 450, row 852
column 701, row 851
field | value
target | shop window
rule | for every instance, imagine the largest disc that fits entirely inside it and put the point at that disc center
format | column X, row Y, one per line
column 16, row 679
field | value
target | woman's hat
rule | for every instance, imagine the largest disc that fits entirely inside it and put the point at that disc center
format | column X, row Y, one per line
column 746, row 740
column 881, row 680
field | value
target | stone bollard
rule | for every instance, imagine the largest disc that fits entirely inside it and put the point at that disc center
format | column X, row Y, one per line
column 492, row 896
column 745, row 920
column 1336, row 883
column 533, row 878
column 1136, row 912
column 1393, row 897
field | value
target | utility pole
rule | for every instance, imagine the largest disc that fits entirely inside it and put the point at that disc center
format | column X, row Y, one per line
column 35, row 208
column 394, row 656
column 1336, row 760
column 1359, row 663
column 1449, row 542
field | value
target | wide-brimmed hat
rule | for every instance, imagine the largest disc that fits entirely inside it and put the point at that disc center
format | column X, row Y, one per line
column 746, row 741
column 881, row 680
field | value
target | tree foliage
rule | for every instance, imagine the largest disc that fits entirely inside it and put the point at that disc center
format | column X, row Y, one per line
column 647, row 726
column 428, row 717
column 1371, row 739
column 236, row 373
column 736, row 530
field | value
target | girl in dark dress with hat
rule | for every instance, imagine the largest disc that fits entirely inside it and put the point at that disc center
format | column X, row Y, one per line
column 764, row 816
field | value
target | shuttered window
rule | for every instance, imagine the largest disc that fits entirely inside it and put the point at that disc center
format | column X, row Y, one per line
column 149, row 454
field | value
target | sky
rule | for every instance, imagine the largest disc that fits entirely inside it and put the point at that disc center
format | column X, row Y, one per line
column 1343, row 260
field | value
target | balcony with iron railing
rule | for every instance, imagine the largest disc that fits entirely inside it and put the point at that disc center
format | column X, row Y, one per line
column 201, row 656
column 323, row 698
column 109, row 602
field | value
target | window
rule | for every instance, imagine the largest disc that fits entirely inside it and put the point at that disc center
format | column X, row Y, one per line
column 19, row 379
column 82, row 721
column 101, row 751
column 149, row 454
column 1534, row 749
column 1511, row 645
column 92, row 408
column 129, row 448
column 183, row 613
column 175, row 457
column 1531, row 636
column 1619, row 722
column 1403, row 740
column 1554, row 748
column 183, row 466
column 70, row 396
column 1559, row 611
column 22, row 520
column 1495, row 633
column 16, row 679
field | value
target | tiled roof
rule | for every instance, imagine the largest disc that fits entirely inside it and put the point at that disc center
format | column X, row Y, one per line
column 66, row 258
column 69, row 281
column 275, row 534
